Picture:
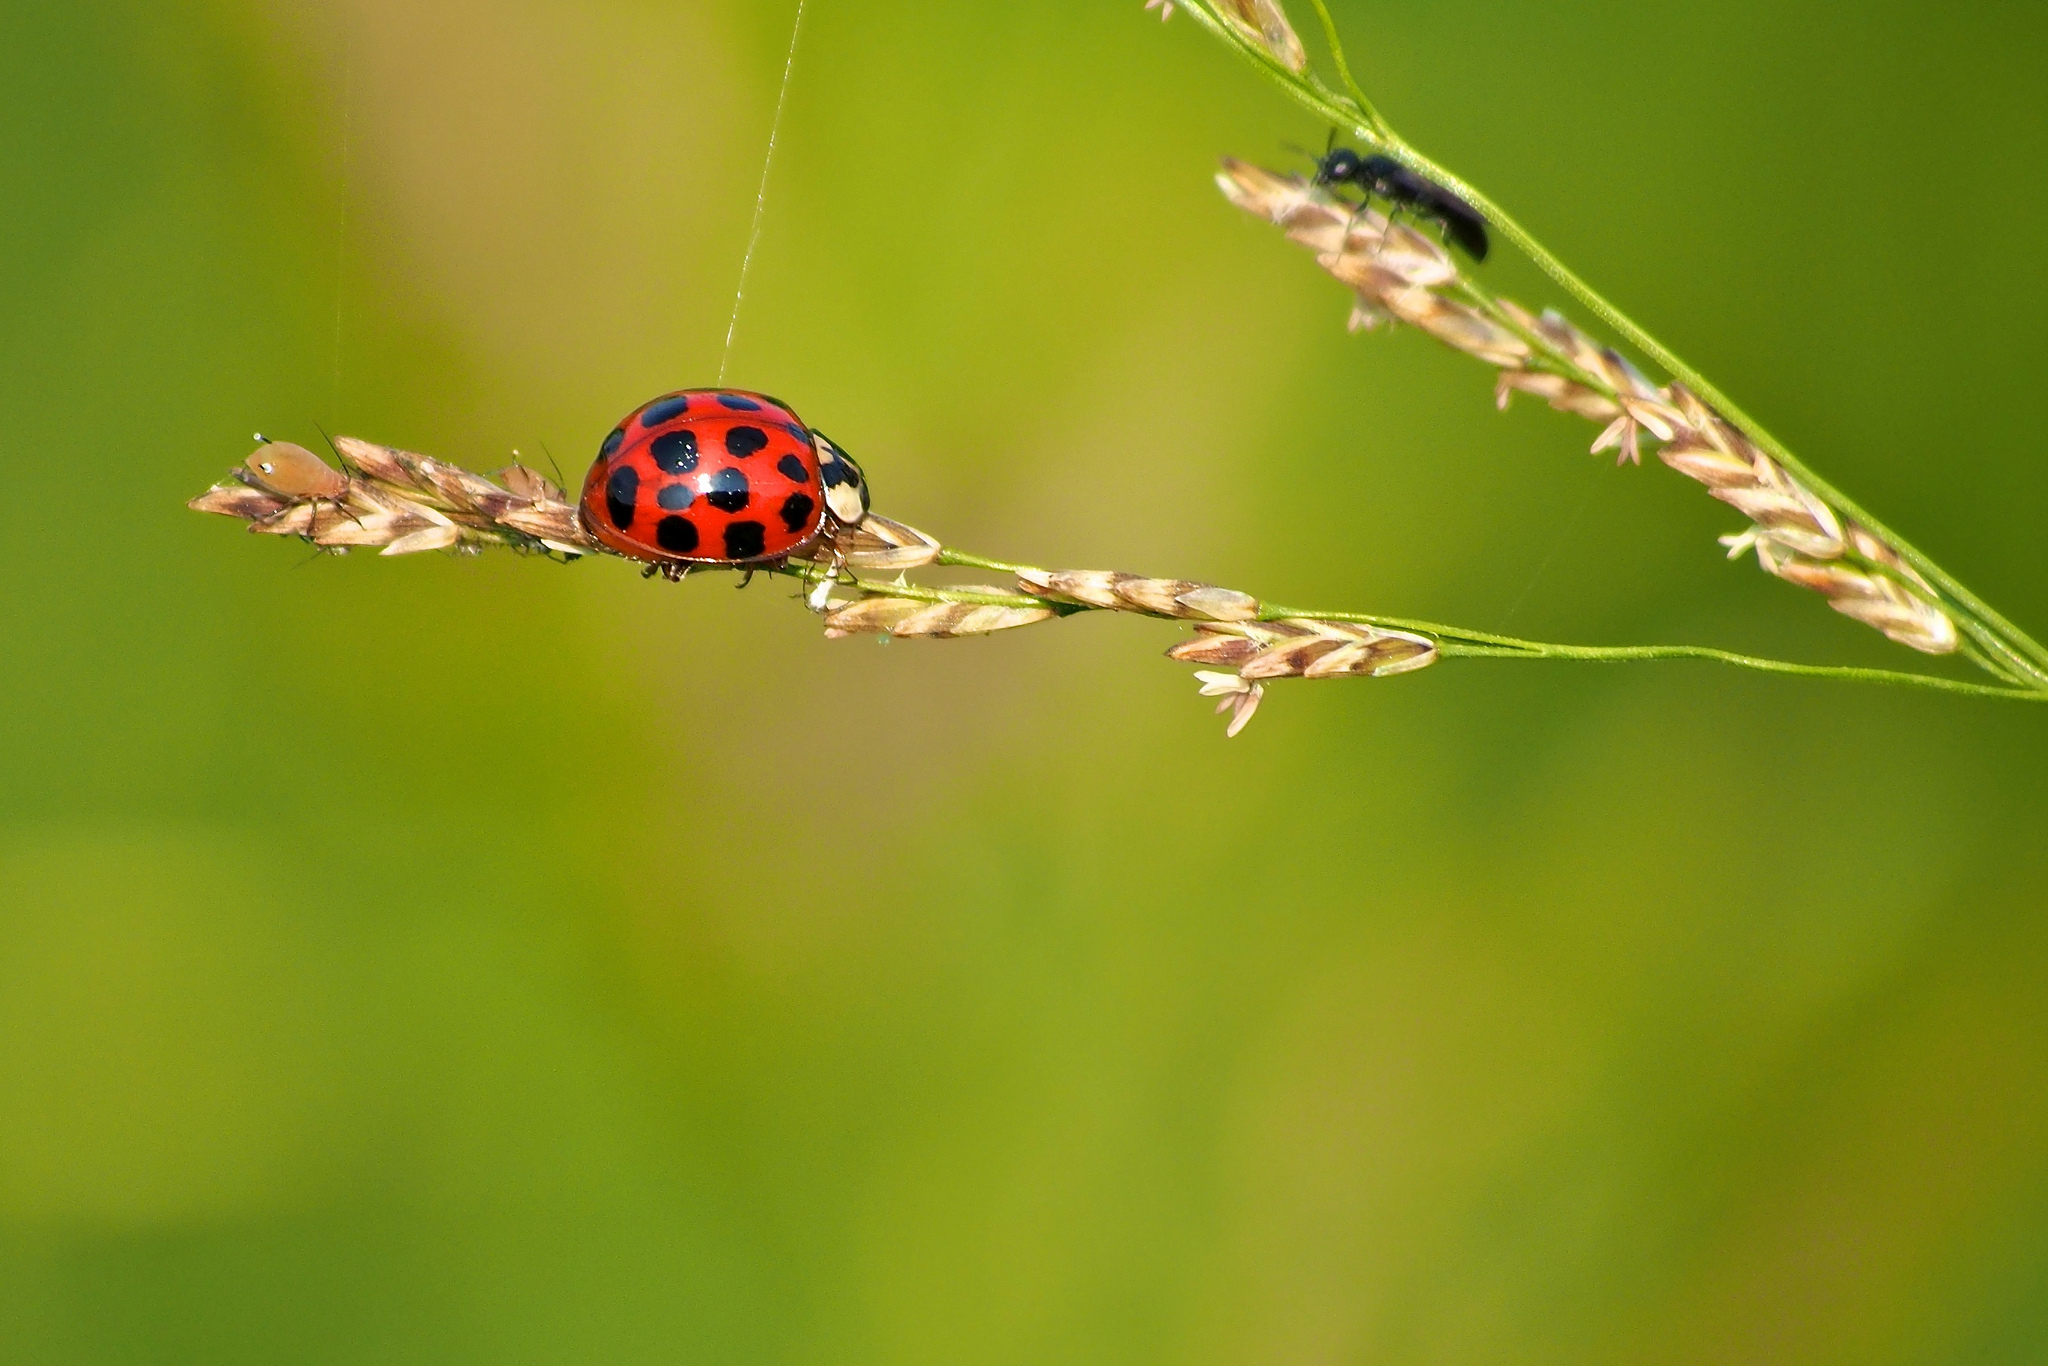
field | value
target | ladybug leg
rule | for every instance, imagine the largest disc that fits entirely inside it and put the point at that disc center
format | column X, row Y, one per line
column 676, row 573
column 650, row 571
column 746, row 577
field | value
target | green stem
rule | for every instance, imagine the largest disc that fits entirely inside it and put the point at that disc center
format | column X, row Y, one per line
column 950, row 556
column 2000, row 638
column 1453, row 642
column 1617, row 654
column 1336, row 45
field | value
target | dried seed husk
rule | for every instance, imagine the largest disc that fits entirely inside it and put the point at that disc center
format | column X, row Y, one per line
column 239, row 500
column 1567, row 396
column 1396, row 255
column 557, row 525
column 372, row 529
column 1265, row 23
column 907, row 617
column 1472, row 332
column 1281, row 199
column 1790, row 515
column 880, row 543
column 427, row 538
column 1158, row 596
column 1377, row 658
column 1290, row 658
column 463, row 490
column 870, row 615
column 1697, row 458
column 1862, row 543
column 1917, row 625
column 1454, row 324
column 987, row 618
column 1089, row 587
column 1326, row 227
column 1183, row 599
column 1229, row 651
column 296, row 519
column 1218, row 604
column 1660, row 419
column 379, row 462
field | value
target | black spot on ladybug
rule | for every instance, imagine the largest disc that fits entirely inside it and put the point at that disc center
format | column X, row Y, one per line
column 744, row 441
column 793, row 470
column 675, row 497
column 739, row 403
column 612, row 443
column 728, row 490
column 795, row 511
column 622, row 495
column 744, row 540
column 834, row 471
column 676, row 535
column 664, row 410
column 797, row 431
column 675, row 452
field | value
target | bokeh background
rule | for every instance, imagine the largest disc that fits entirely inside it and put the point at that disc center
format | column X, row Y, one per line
column 488, row 961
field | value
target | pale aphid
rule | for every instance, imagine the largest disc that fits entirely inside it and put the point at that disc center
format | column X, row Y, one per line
column 295, row 471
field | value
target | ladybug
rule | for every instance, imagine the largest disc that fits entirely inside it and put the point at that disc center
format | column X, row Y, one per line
column 718, row 477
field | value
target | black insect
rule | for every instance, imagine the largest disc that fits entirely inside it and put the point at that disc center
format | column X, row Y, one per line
column 1390, row 180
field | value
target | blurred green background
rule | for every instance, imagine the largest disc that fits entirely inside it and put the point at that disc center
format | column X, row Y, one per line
column 453, row 960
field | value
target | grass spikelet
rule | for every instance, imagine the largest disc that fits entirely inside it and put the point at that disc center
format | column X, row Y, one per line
column 1263, row 22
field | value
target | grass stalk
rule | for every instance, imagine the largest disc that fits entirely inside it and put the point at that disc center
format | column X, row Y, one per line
column 1994, row 642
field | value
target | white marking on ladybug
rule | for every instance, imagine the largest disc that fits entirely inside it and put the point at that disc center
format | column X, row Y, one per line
column 846, row 488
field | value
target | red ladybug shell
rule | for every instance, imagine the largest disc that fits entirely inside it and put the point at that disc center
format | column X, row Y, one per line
column 707, row 476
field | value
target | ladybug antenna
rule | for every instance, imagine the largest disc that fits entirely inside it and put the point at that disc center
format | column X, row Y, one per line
column 262, row 440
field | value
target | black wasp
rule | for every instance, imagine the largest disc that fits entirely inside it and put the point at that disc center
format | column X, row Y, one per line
column 1390, row 180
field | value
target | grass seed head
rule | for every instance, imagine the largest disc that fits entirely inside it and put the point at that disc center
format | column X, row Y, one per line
column 1257, row 653
column 394, row 501
column 1396, row 273
column 1265, row 23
